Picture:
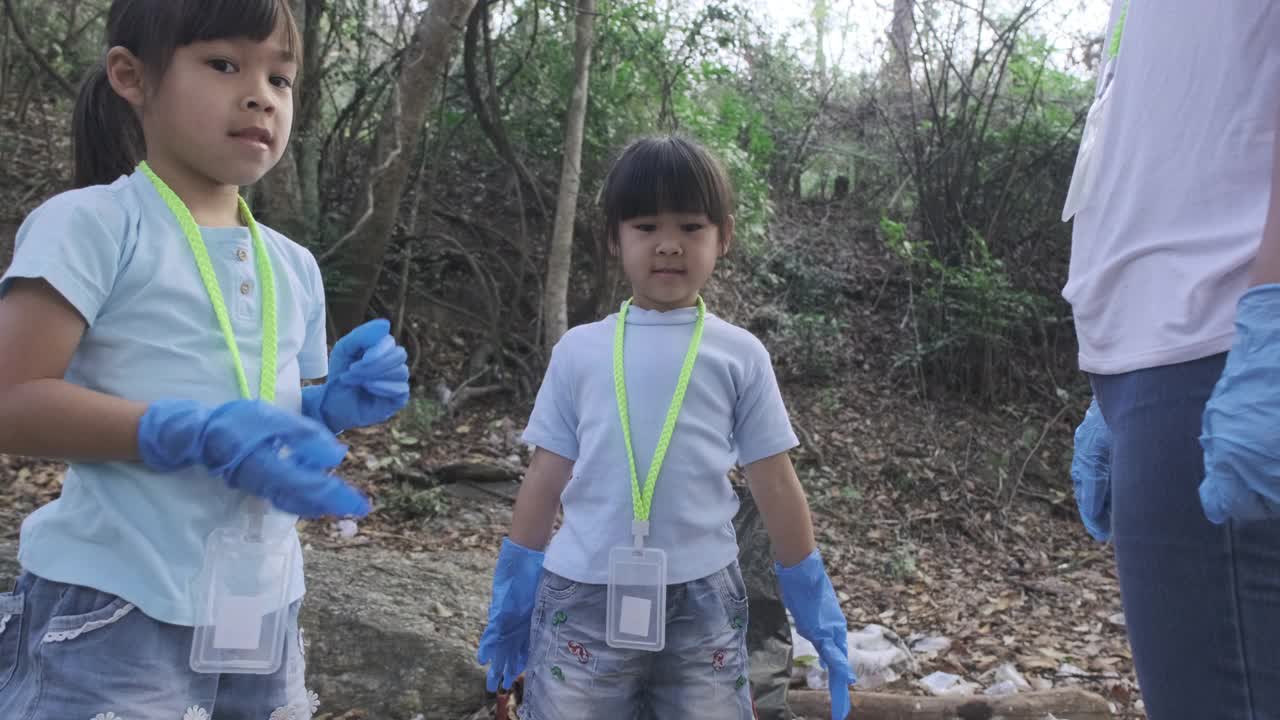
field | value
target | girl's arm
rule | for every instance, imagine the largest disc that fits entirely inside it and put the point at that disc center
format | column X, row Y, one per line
column 539, row 499
column 783, row 506
column 42, row 415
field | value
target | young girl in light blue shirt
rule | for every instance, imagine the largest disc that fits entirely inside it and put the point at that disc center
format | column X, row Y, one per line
column 157, row 338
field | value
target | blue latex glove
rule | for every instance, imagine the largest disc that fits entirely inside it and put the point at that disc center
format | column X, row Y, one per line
column 368, row 380
column 1091, row 473
column 1239, row 434
column 255, row 447
column 808, row 594
column 504, row 646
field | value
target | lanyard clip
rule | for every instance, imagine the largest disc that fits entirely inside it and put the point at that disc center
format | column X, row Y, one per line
column 639, row 531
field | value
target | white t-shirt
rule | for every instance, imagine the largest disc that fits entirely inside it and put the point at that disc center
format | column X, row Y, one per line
column 733, row 412
column 1161, row 253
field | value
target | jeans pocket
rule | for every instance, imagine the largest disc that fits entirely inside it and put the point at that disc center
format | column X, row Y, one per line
column 11, row 629
column 733, row 595
column 84, row 612
column 555, row 587
column 732, row 584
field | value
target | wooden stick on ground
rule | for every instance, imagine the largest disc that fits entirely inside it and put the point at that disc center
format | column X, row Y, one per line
column 1063, row 703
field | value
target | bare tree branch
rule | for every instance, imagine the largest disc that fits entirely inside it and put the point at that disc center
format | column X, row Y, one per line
column 36, row 55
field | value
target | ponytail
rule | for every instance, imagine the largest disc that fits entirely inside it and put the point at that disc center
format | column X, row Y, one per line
column 107, row 138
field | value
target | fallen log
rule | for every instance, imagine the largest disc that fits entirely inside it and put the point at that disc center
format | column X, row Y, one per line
column 1061, row 703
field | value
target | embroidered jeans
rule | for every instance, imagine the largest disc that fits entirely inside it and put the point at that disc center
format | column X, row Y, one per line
column 72, row 653
column 701, row 673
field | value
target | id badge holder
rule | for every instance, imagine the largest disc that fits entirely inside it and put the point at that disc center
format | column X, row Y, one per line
column 242, row 614
column 1085, row 173
column 637, row 596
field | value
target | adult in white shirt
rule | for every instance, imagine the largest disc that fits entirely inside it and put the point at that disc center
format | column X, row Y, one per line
column 1172, row 230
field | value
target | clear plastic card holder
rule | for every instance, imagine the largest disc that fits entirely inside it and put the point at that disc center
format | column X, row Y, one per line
column 637, row 599
column 242, row 613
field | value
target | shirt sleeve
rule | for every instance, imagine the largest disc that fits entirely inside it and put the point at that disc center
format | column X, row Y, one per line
column 73, row 242
column 761, row 426
column 553, row 425
column 313, row 359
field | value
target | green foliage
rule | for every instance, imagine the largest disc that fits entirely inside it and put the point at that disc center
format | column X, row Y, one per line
column 803, row 283
column 969, row 317
column 967, row 174
column 725, row 122
column 419, row 416
column 810, row 346
column 988, row 159
column 406, row 501
column 901, row 565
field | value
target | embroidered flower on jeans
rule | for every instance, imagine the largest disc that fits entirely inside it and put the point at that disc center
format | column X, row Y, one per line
column 580, row 652
column 718, row 660
column 315, row 701
column 283, row 713
column 195, row 712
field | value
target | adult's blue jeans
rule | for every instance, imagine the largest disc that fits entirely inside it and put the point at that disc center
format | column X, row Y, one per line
column 1201, row 601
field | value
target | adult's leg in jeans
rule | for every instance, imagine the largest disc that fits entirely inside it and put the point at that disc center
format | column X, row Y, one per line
column 1202, row 601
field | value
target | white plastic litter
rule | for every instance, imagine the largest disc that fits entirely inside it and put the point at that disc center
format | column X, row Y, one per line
column 877, row 657
column 944, row 684
column 347, row 529
column 1069, row 670
column 1039, row 683
column 1003, row 688
column 1006, row 680
column 804, row 662
column 930, row 646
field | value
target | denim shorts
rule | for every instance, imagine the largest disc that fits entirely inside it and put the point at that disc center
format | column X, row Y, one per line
column 1201, row 601
column 72, row 653
column 701, row 673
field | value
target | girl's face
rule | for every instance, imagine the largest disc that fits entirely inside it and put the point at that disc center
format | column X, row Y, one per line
column 669, row 257
column 223, row 109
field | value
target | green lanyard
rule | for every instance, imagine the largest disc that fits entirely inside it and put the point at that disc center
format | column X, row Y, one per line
column 270, row 332
column 1113, row 49
column 642, row 501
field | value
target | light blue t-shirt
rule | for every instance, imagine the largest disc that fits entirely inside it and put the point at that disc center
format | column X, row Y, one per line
column 733, row 413
column 118, row 255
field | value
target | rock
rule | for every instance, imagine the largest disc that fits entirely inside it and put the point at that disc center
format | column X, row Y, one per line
column 371, row 642
column 768, row 629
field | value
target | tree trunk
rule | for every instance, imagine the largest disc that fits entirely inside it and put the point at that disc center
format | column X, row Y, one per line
column 306, row 145
column 289, row 194
column 279, row 199
column 363, row 248
column 901, row 35
column 820, row 13
column 559, row 263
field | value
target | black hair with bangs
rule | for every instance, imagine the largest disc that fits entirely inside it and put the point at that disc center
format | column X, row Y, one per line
column 668, row 173
column 107, row 136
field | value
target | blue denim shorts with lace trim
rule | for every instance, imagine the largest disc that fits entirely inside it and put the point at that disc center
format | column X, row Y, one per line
column 701, row 673
column 72, row 653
